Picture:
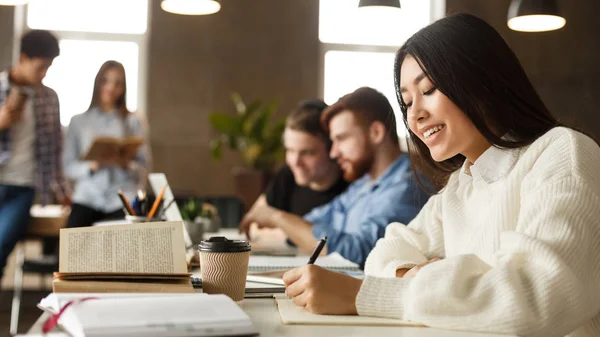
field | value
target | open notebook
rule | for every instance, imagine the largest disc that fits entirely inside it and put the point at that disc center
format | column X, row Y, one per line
column 335, row 262
column 151, row 315
column 292, row 314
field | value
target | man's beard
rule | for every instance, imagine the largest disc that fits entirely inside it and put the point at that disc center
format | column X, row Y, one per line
column 360, row 167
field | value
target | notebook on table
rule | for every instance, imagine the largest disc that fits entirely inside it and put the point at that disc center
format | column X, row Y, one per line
column 292, row 314
column 263, row 288
column 334, row 261
column 255, row 285
column 151, row 315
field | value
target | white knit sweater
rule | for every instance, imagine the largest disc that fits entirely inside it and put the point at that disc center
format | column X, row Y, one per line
column 519, row 238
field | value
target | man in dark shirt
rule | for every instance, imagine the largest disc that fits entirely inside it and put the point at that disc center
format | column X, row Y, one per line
column 310, row 178
column 285, row 194
column 362, row 127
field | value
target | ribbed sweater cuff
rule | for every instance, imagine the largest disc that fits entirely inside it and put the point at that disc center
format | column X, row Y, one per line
column 391, row 267
column 383, row 297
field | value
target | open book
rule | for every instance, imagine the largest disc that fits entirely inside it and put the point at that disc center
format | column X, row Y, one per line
column 292, row 314
column 143, row 257
column 114, row 148
column 149, row 315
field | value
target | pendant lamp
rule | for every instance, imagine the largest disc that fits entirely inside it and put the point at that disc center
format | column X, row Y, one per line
column 379, row 3
column 190, row 7
column 534, row 16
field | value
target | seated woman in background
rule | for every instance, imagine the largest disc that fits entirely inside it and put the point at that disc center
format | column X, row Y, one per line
column 95, row 196
column 310, row 178
column 510, row 245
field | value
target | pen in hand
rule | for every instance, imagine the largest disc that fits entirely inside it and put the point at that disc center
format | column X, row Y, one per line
column 317, row 251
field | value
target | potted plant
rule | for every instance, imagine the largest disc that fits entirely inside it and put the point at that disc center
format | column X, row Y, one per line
column 254, row 132
column 209, row 218
column 199, row 218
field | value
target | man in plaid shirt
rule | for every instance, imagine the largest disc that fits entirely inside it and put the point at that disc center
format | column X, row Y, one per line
column 31, row 139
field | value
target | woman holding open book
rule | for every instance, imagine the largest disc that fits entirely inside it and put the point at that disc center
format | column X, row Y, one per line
column 511, row 243
column 105, row 151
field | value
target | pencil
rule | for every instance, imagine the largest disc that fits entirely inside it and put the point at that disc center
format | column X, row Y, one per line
column 156, row 202
column 126, row 203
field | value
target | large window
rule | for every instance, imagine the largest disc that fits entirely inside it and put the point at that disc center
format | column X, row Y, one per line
column 92, row 32
column 359, row 44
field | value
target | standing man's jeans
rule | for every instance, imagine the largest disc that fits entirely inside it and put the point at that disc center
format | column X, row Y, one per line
column 15, row 203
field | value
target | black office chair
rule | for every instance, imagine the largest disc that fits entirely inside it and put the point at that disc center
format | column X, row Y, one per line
column 230, row 208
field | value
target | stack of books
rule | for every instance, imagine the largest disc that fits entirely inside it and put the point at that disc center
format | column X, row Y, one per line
column 143, row 257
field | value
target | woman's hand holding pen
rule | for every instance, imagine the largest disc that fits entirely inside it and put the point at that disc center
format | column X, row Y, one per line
column 322, row 291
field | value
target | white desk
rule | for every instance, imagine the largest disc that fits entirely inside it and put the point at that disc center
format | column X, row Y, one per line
column 264, row 315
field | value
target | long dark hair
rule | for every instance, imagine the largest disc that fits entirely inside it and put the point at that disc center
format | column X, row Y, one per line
column 121, row 105
column 468, row 61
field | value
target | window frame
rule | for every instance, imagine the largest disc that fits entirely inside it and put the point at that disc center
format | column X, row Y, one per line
column 21, row 26
column 437, row 11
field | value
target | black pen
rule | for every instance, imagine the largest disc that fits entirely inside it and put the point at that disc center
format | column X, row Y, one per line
column 317, row 251
column 143, row 202
column 162, row 212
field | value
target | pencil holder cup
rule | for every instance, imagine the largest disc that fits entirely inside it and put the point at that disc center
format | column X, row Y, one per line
column 159, row 209
column 224, row 266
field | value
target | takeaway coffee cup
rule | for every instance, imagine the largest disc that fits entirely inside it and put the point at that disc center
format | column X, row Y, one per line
column 224, row 265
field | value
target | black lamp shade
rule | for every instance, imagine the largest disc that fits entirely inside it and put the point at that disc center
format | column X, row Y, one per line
column 388, row 3
column 534, row 16
column 532, row 7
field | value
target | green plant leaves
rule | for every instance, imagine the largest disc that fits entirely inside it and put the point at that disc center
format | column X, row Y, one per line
column 194, row 208
column 225, row 123
column 250, row 110
column 216, row 148
column 252, row 131
column 191, row 209
column 239, row 104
